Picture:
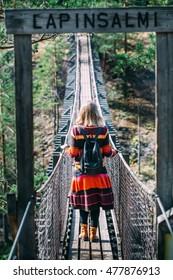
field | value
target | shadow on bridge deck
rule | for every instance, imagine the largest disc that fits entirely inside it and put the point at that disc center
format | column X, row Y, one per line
column 73, row 248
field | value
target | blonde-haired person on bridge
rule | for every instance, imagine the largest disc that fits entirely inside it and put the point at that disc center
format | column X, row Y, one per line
column 90, row 192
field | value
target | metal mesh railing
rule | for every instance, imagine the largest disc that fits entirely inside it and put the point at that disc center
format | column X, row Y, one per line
column 54, row 194
column 135, row 206
column 135, row 210
column 52, row 209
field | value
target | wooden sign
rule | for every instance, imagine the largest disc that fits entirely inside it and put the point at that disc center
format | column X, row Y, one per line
column 103, row 20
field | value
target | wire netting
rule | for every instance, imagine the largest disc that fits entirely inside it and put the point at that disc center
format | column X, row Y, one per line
column 135, row 210
column 52, row 210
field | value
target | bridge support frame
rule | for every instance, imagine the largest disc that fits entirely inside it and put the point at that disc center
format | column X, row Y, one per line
column 22, row 23
column 164, row 125
column 24, row 139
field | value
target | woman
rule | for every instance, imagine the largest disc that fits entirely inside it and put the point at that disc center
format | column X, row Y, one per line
column 90, row 192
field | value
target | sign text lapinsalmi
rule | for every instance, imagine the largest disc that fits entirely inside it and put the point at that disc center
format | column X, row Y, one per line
column 31, row 21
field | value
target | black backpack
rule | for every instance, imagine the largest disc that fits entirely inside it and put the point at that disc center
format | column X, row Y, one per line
column 91, row 160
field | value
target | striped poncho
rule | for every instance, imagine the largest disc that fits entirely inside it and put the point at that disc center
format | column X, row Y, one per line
column 89, row 192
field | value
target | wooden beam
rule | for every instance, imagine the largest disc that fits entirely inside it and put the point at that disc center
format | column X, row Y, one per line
column 38, row 21
column 12, row 214
column 24, row 132
column 164, row 119
column 164, row 128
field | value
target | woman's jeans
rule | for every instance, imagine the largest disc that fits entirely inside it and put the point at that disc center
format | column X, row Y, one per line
column 94, row 216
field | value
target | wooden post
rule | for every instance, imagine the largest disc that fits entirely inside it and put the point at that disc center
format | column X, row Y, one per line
column 12, row 214
column 24, row 132
column 164, row 122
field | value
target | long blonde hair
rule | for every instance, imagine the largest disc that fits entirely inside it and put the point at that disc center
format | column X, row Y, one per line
column 89, row 115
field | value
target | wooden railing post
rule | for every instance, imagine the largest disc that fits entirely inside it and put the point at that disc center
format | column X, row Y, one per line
column 24, row 133
column 164, row 124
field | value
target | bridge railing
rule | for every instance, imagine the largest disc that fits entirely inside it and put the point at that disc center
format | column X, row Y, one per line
column 52, row 209
column 135, row 206
column 135, row 211
column 53, row 200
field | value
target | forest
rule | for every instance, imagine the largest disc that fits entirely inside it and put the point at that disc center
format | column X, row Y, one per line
column 128, row 64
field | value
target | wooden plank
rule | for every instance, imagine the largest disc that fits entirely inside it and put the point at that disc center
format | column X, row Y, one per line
column 87, row 250
column 38, row 21
column 105, row 240
column 164, row 123
column 84, row 250
column 102, row 249
column 74, row 238
column 78, row 249
column 96, row 253
column 24, row 132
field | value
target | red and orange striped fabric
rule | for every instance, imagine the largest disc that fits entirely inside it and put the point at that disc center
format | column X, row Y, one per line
column 88, row 192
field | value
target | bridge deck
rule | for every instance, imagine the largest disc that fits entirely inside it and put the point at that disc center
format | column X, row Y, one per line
column 85, row 250
column 78, row 249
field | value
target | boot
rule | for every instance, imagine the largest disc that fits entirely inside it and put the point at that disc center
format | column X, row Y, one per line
column 84, row 232
column 93, row 236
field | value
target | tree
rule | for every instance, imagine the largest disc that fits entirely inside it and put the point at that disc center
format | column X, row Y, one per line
column 7, row 115
column 48, row 91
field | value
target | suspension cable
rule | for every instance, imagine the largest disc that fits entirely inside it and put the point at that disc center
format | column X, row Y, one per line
column 23, row 221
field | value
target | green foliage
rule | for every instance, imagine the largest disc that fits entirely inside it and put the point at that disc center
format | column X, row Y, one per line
column 39, row 178
column 3, row 203
column 48, row 92
column 90, row 3
column 82, row 3
column 4, row 189
column 142, row 58
column 5, row 248
column 112, row 51
column 160, row 2
column 7, row 117
column 47, row 73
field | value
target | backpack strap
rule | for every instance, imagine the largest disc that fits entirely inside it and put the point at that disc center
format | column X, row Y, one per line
column 84, row 134
column 97, row 134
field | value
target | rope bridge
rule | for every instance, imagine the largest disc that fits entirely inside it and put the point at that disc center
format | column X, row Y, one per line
column 132, row 222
